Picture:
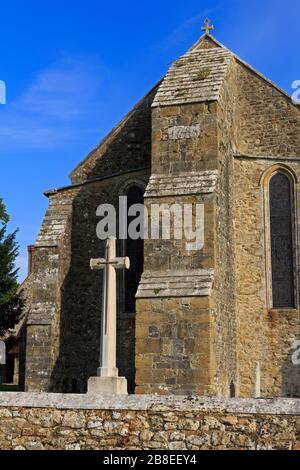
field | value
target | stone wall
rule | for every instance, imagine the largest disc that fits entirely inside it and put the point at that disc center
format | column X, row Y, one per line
column 127, row 146
column 265, row 335
column 83, row 422
column 50, row 263
column 173, row 335
column 223, row 336
column 268, row 135
column 269, row 121
column 63, row 328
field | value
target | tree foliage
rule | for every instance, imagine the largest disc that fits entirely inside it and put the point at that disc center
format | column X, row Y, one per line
column 11, row 300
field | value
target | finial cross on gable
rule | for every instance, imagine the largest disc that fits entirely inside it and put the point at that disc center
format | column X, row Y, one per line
column 208, row 26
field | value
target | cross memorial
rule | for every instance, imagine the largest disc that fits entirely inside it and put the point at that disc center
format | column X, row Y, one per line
column 107, row 380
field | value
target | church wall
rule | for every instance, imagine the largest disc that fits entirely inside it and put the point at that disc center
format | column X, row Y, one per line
column 73, row 335
column 269, row 127
column 224, row 318
column 184, row 138
column 173, row 346
column 173, row 336
column 126, row 148
column 63, row 332
column 82, row 292
column 269, row 122
column 266, row 336
column 49, row 264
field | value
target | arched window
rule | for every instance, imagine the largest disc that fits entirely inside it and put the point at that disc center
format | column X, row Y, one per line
column 281, row 213
column 135, row 251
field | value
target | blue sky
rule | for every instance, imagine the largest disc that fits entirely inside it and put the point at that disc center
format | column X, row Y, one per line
column 73, row 69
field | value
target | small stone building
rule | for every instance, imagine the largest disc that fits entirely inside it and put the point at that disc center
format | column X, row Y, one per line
column 220, row 321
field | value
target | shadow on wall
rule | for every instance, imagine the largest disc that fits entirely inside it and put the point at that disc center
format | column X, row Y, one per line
column 81, row 289
column 81, row 300
column 79, row 329
column 125, row 149
column 291, row 373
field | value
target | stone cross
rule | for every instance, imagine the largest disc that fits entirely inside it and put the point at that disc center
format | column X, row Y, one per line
column 208, row 26
column 108, row 370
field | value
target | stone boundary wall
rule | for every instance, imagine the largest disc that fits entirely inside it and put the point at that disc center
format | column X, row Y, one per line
column 34, row 421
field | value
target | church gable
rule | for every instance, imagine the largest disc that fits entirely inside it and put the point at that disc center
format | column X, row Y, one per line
column 198, row 76
column 269, row 122
column 206, row 42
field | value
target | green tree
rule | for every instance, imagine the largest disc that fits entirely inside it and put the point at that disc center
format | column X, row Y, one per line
column 11, row 300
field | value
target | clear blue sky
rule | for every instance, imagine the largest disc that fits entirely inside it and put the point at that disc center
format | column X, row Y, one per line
column 73, row 69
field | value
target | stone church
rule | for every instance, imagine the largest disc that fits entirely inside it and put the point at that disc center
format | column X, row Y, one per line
column 220, row 321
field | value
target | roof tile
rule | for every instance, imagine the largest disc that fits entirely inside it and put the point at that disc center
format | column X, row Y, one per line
column 197, row 76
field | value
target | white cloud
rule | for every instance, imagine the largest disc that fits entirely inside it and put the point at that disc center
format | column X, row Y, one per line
column 64, row 91
column 58, row 100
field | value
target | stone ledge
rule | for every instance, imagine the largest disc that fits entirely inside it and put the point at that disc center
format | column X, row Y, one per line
column 182, row 184
column 195, row 283
column 273, row 406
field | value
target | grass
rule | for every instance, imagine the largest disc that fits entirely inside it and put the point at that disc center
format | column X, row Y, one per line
column 179, row 93
column 202, row 75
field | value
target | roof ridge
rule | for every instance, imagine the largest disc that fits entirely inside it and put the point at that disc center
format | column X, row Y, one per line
column 241, row 61
column 211, row 38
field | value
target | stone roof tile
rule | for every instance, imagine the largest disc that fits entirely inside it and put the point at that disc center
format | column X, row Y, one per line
column 197, row 76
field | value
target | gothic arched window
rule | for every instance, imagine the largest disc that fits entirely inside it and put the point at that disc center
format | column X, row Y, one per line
column 135, row 251
column 281, row 240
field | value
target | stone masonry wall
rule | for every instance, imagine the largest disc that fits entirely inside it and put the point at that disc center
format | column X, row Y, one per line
column 63, row 333
column 268, row 134
column 49, row 265
column 83, row 422
column 63, row 329
column 173, row 334
column 265, row 335
column 224, row 318
column 127, row 147
column 173, row 346
column 81, row 294
column 269, row 122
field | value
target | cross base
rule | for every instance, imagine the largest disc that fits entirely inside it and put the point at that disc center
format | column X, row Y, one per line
column 108, row 385
column 107, row 372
